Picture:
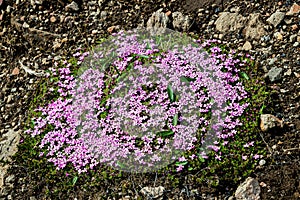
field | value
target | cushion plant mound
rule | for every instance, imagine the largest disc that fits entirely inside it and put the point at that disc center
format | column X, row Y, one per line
column 142, row 102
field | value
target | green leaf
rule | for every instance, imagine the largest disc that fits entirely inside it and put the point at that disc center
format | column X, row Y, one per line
column 122, row 77
column 142, row 56
column 187, row 79
column 148, row 46
column 121, row 164
column 181, row 163
column 261, row 109
column 201, row 158
column 244, row 75
column 190, row 168
column 175, row 120
column 171, row 93
column 165, row 133
column 74, row 180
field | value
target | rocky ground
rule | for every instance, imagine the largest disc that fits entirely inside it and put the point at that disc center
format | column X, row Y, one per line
column 36, row 33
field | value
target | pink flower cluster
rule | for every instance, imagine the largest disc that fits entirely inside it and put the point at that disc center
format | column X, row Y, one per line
column 75, row 133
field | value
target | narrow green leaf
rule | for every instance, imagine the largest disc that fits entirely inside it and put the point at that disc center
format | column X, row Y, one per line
column 190, row 168
column 148, row 46
column 175, row 120
column 165, row 133
column 244, row 75
column 201, row 158
column 262, row 109
column 142, row 56
column 171, row 93
column 74, row 180
column 122, row 77
column 181, row 163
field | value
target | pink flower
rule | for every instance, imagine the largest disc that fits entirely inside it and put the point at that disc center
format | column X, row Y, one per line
column 179, row 168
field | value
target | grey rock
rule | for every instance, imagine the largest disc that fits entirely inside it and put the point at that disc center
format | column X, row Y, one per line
column 248, row 190
column 230, row 22
column 153, row 192
column 181, row 22
column 254, row 28
column 276, row 18
column 268, row 121
column 8, row 144
column 3, row 170
column 73, row 6
column 272, row 60
column 265, row 38
column 158, row 21
column 274, row 74
column 10, row 179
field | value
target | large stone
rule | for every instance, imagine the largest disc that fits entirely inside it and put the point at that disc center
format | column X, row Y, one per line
column 158, row 21
column 268, row 121
column 248, row 190
column 230, row 22
column 275, row 74
column 8, row 147
column 276, row 18
column 254, row 28
column 181, row 22
column 295, row 9
column 8, row 144
column 73, row 6
column 153, row 192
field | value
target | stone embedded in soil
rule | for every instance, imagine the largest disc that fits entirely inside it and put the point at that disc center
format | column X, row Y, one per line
column 295, row 9
column 254, row 28
column 275, row 74
column 229, row 22
column 248, row 190
column 153, row 192
column 73, row 6
column 158, row 20
column 181, row 22
column 8, row 146
column 276, row 18
column 247, row 46
column 15, row 71
column 268, row 121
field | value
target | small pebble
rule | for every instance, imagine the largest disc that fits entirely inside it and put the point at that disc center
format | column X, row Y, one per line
column 52, row 19
column 262, row 162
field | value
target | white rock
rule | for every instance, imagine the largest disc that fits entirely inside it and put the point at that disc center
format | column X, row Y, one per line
column 269, row 121
column 180, row 21
column 153, row 192
column 248, row 190
column 158, row 21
